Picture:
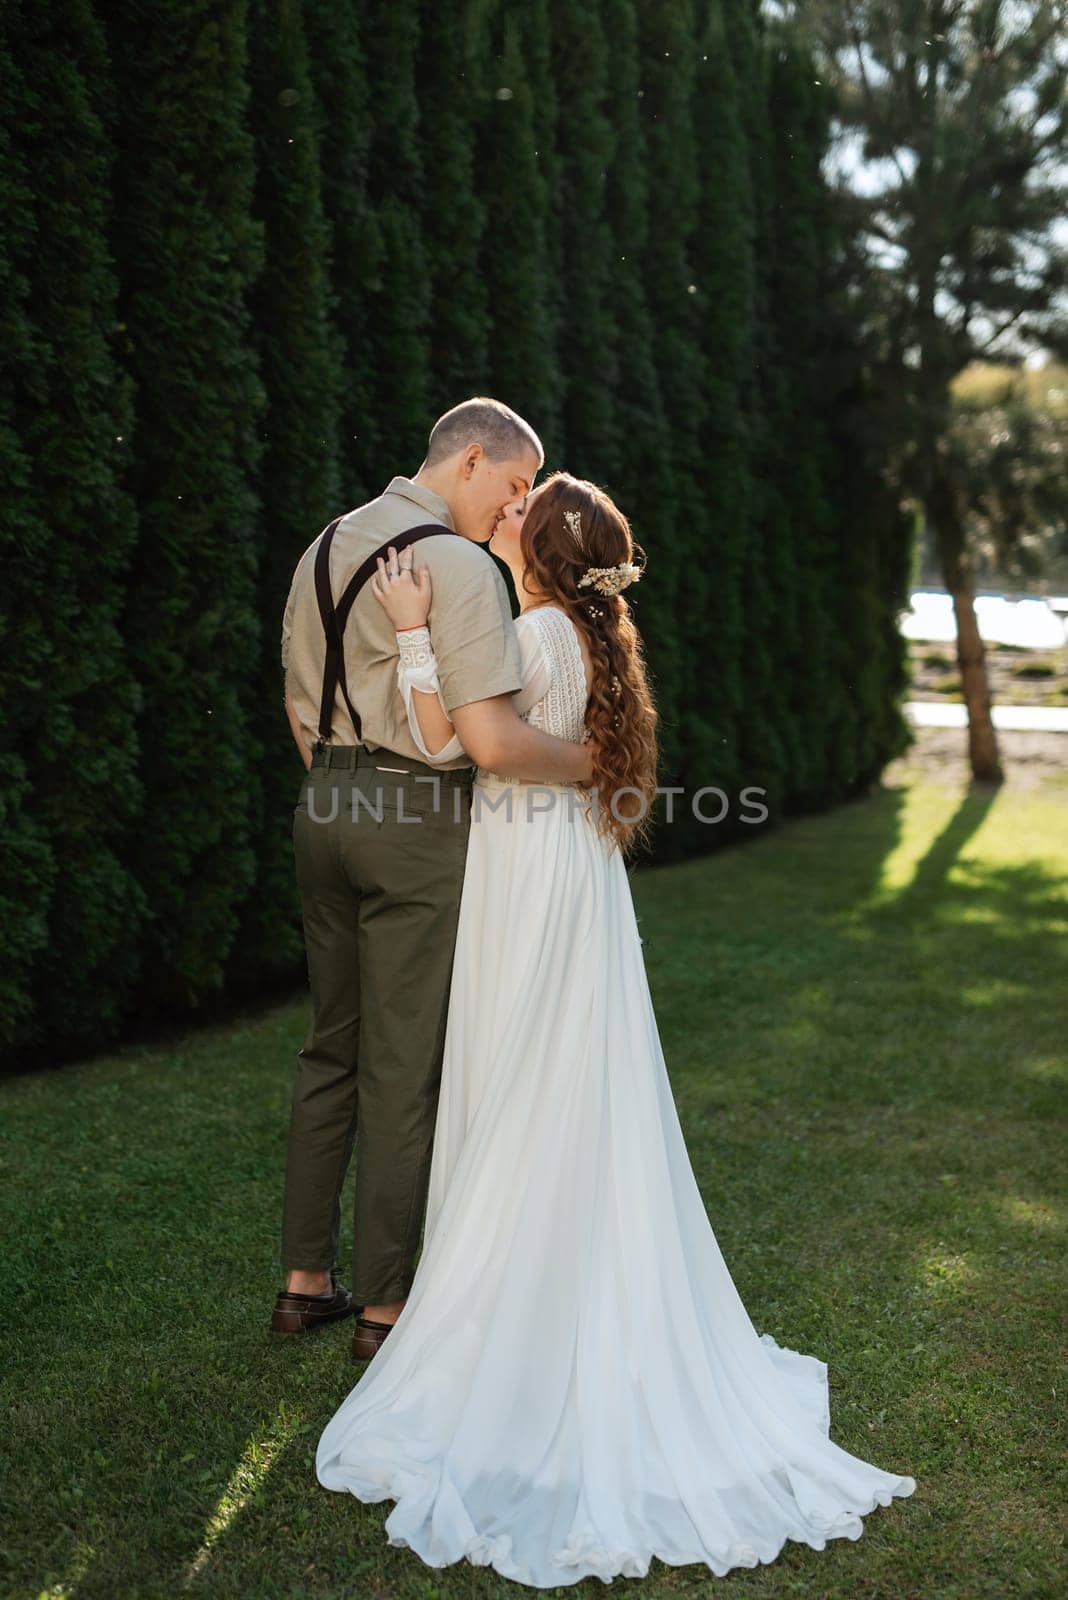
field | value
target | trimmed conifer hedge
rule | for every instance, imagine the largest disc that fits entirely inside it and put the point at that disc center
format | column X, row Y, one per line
column 253, row 250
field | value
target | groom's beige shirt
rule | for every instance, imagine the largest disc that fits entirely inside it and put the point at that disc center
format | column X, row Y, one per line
column 470, row 624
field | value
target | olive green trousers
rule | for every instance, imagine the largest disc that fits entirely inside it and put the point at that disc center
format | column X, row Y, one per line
column 380, row 857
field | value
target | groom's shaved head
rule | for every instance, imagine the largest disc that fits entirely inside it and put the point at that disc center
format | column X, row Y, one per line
column 502, row 432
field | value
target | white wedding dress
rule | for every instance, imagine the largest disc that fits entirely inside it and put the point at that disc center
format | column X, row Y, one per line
column 574, row 1385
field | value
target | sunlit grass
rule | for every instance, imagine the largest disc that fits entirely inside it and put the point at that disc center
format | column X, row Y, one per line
column 1041, row 1215
column 249, row 1476
column 80, row 1562
column 947, row 1272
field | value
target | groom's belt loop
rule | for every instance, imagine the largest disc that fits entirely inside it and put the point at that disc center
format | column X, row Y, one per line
column 335, row 755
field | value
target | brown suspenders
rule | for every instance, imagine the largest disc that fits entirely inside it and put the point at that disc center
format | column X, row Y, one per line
column 335, row 618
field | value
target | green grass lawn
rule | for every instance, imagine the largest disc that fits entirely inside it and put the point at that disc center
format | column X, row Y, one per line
column 866, row 1022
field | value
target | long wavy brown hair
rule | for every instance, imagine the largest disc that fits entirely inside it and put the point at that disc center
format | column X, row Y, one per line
column 620, row 714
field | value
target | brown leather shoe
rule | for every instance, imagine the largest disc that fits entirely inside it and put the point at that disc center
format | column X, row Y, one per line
column 368, row 1338
column 302, row 1313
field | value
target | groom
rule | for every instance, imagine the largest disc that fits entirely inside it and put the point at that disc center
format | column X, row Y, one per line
column 380, row 876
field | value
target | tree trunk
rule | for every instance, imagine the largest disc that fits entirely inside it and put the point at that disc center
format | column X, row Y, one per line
column 971, row 656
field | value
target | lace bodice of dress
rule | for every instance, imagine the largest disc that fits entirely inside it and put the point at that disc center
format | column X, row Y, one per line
column 562, row 709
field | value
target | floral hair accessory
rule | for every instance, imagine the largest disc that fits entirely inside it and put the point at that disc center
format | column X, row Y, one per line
column 609, row 580
column 574, row 523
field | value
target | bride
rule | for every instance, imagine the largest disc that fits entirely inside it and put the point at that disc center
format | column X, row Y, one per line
column 574, row 1385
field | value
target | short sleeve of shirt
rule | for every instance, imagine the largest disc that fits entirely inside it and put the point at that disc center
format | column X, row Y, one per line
column 287, row 621
column 474, row 639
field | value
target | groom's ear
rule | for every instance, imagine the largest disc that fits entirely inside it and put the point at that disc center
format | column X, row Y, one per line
column 472, row 456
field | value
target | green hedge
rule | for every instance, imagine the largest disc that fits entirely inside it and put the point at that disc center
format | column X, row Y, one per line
column 253, row 249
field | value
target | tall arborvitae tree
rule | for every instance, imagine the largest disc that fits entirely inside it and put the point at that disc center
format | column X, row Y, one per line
column 454, row 206
column 188, row 252
column 871, row 543
column 514, row 261
column 762, row 754
column 872, row 532
column 804, row 601
column 70, row 705
column 667, row 46
column 300, row 489
column 28, row 868
column 399, row 306
column 338, row 68
column 586, row 336
column 851, row 536
column 643, row 485
column 542, row 60
column 724, row 280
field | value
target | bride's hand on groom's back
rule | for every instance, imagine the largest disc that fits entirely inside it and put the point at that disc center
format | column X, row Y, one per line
column 405, row 595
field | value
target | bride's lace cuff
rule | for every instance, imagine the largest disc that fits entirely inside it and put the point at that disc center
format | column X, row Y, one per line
column 417, row 659
column 418, row 669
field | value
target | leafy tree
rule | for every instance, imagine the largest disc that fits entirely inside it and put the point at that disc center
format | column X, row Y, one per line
column 1007, row 458
column 962, row 114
